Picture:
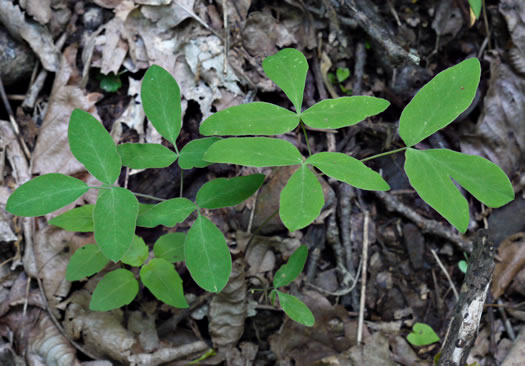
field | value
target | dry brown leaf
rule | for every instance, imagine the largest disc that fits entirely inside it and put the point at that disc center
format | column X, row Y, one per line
column 512, row 254
column 375, row 351
column 262, row 33
column 40, row 10
column 514, row 13
column 108, row 4
column 517, row 353
column 168, row 16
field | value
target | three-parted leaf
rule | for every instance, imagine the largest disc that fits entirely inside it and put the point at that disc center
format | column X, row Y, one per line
column 301, row 199
column 114, row 290
column 45, row 194
column 145, row 156
column 288, row 68
column 137, row 253
column 256, row 118
column 161, row 101
column 168, row 213
column 349, row 170
column 78, row 219
column 207, row 255
column 296, row 309
column 226, row 192
column 254, row 151
column 343, row 112
column 164, row 282
column 191, row 155
column 93, row 146
column 170, row 247
column 430, row 173
column 440, row 101
column 114, row 217
column 289, row 271
column 86, row 261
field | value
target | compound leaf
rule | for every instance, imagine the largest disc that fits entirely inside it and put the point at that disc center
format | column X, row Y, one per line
column 288, row 68
column 137, row 253
column 115, row 216
column 289, row 271
column 93, row 146
column 86, row 261
column 349, row 170
column 343, row 112
column 440, row 101
column 145, row 156
column 256, row 118
column 296, row 309
column 164, row 282
column 191, row 155
column 170, row 247
column 422, row 335
column 207, row 255
column 226, row 192
column 168, row 213
column 301, row 199
column 430, row 173
column 114, row 290
column 79, row 219
column 254, row 151
column 161, row 101
column 45, row 194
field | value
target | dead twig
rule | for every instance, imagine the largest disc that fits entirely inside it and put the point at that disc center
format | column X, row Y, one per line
column 452, row 286
column 363, row 280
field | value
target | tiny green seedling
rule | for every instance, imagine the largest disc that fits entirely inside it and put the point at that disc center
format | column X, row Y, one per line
column 117, row 211
column 422, row 335
column 110, row 83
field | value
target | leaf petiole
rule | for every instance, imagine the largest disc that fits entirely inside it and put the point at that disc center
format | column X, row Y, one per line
column 384, row 154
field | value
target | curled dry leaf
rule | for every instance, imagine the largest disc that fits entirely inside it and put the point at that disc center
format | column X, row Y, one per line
column 514, row 13
column 512, row 254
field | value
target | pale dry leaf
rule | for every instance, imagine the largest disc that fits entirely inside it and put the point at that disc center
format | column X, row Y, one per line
column 262, row 33
column 40, row 10
column 115, row 49
column 514, row 13
column 108, row 4
column 168, row 16
column 517, row 352
column 153, row 2
column 512, row 254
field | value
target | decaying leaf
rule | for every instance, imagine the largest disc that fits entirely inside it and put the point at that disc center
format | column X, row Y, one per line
column 514, row 13
column 512, row 254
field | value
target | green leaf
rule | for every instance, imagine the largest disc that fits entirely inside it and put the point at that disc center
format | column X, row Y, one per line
column 288, row 68
column 349, row 170
column 164, row 282
column 463, row 266
column 191, row 155
column 161, row 101
column 254, row 151
column 342, row 73
column 137, row 253
column 86, row 261
column 226, row 192
column 429, row 172
column 440, row 101
column 422, row 335
column 45, row 194
column 115, row 216
column 93, row 146
column 145, row 156
column 343, row 112
column 475, row 5
column 168, row 213
column 296, row 309
column 170, row 247
column 207, row 255
column 79, row 219
column 301, row 199
column 110, row 83
column 289, row 271
column 256, row 118
column 116, row 289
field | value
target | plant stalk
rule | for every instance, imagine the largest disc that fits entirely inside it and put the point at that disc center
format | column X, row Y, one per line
column 384, row 154
column 306, row 138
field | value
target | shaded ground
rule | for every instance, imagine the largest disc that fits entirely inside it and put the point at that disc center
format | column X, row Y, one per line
column 55, row 57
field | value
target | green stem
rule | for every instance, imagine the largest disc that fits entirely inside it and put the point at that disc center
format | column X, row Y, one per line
column 181, row 182
column 306, row 138
column 148, row 196
column 384, row 154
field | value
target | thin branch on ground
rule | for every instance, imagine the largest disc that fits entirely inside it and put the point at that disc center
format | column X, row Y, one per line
column 440, row 264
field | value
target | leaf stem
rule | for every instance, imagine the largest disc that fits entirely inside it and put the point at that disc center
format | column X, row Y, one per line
column 181, row 182
column 148, row 196
column 306, row 138
column 384, row 154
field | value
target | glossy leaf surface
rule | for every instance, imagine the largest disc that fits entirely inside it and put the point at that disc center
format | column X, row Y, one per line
column 137, row 253
column 289, row 271
column 93, row 146
column 161, row 101
column 86, row 261
column 168, row 213
column 226, row 192
column 343, row 112
column 301, row 199
column 440, row 101
column 296, row 309
column 207, row 255
column 114, row 290
column 254, row 151
column 191, row 155
column 170, row 247
column 349, row 170
column 145, row 156
column 45, row 194
column 257, row 118
column 114, row 217
column 79, row 219
column 164, row 282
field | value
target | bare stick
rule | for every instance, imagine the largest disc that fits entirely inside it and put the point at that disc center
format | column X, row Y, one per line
column 363, row 280
column 454, row 290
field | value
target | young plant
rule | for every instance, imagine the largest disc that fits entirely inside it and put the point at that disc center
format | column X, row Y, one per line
column 422, row 335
